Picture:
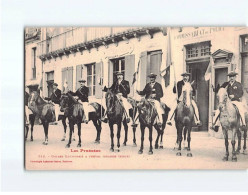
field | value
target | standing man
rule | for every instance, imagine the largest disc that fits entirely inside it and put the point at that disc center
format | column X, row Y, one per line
column 235, row 93
column 121, row 88
column 55, row 98
column 153, row 91
column 82, row 93
column 180, row 85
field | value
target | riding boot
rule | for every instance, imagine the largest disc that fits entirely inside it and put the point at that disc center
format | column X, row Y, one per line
column 169, row 122
column 216, row 125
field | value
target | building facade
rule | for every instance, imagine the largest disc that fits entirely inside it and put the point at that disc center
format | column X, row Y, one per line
column 65, row 55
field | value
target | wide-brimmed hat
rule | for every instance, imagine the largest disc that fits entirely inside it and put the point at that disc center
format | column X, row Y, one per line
column 152, row 75
column 82, row 81
column 185, row 74
column 55, row 84
column 119, row 73
column 231, row 74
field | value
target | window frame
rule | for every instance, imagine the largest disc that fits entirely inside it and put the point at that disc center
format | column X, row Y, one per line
column 121, row 67
column 34, row 63
column 92, row 86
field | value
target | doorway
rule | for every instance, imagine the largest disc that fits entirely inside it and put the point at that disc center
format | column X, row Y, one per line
column 201, row 87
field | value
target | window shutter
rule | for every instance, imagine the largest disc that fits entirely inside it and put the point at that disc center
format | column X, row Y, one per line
column 129, row 71
column 70, row 78
column 78, row 74
column 143, row 70
column 98, row 79
column 155, row 59
column 110, row 73
column 64, row 71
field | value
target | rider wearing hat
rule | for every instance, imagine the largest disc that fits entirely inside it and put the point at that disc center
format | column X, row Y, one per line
column 235, row 93
column 82, row 93
column 121, row 88
column 55, row 98
column 179, row 88
column 153, row 91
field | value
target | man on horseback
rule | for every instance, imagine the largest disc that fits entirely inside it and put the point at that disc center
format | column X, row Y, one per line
column 235, row 93
column 55, row 98
column 153, row 91
column 82, row 93
column 121, row 88
column 179, row 88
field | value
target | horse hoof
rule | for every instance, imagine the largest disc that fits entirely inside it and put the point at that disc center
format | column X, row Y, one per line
column 225, row 158
column 97, row 142
column 156, row 146
column 189, row 155
column 124, row 144
column 117, row 150
column 179, row 154
column 67, row 146
column 63, row 139
column 73, row 139
column 134, row 145
column 31, row 139
column 45, row 143
column 161, row 147
column 234, row 159
column 79, row 145
column 140, row 152
column 150, row 152
column 111, row 149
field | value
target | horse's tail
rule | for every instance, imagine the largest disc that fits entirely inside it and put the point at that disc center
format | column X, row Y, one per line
column 48, row 113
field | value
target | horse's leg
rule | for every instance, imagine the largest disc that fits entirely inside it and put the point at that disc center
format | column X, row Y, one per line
column 179, row 137
column 245, row 136
column 161, row 139
column 26, row 133
column 79, row 134
column 234, row 132
column 189, row 154
column 134, row 135
column 32, row 126
column 45, row 125
column 65, row 126
column 150, row 139
column 111, row 136
column 225, row 134
column 95, row 122
column 185, row 130
column 126, row 132
column 158, row 134
column 71, row 125
column 118, row 136
column 239, row 141
column 142, row 128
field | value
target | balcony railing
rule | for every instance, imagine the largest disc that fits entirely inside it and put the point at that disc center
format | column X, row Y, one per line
column 77, row 36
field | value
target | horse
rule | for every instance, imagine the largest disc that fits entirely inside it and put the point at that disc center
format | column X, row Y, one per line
column 230, row 120
column 184, row 117
column 147, row 117
column 43, row 110
column 75, row 113
column 115, row 113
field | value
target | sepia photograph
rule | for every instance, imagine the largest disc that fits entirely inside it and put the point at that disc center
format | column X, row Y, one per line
column 131, row 98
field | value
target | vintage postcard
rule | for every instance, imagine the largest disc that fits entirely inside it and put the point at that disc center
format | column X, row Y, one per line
column 133, row 98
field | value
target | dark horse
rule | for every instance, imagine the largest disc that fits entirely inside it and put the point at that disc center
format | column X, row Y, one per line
column 184, row 117
column 43, row 110
column 115, row 113
column 75, row 113
column 230, row 120
column 147, row 118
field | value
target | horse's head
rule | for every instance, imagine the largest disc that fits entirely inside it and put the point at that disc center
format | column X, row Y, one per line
column 187, row 91
column 64, row 102
column 32, row 98
column 110, row 100
column 222, row 97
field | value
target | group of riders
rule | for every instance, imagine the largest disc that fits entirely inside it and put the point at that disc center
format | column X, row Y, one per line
column 153, row 92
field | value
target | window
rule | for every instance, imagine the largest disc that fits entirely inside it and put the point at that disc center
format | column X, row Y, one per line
column 198, row 50
column 34, row 62
column 50, row 81
column 91, row 79
column 118, row 66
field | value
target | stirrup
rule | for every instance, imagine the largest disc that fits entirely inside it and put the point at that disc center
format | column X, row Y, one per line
column 169, row 123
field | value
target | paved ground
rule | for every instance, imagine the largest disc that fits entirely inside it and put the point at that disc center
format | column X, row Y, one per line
column 207, row 152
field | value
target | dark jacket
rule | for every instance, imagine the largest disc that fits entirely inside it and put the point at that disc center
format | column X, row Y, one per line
column 236, row 89
column 82, row 93
column 180, row 85
column 26, row 98
column 55, row 96
column 156, row 89
column 123, row 88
